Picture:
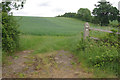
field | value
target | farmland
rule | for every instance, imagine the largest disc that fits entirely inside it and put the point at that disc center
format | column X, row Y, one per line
column 50, row 34
column 53, row 34
column 76, row 44
column 51, row 26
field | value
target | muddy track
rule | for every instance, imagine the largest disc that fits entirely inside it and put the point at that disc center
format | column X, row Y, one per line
column 58, row 64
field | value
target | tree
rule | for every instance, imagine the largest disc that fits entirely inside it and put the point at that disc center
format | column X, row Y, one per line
column 84, row 14
column 72, row 15
column 118, row 18
column 10, row 32
column 105, row 12
column 8, row 6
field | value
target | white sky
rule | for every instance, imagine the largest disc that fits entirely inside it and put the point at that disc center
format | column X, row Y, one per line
column 51, row 8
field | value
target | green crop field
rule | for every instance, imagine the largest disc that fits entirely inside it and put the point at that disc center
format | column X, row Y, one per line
column 51, row 31
column 50, row 26
column 45, row 34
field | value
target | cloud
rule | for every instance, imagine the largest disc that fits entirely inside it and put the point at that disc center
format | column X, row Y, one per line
column 51, row 8
column 58, row 10
column 45, row 4
column 119, row 5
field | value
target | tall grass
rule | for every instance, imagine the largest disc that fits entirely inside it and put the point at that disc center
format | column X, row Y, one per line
column 42, row 44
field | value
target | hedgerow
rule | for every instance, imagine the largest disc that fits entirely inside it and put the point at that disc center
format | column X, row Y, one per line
column 10, row 33
column 102, row 54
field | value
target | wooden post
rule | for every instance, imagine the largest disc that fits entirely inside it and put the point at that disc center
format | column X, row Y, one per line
column 86, row 30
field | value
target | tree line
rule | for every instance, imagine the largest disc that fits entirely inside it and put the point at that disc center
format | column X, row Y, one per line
column 103, row 14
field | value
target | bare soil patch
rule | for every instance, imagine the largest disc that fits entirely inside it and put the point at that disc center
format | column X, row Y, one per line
column 17, row 64
column 57, row 64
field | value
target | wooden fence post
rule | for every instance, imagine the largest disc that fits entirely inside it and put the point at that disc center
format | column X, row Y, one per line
column 86, row 30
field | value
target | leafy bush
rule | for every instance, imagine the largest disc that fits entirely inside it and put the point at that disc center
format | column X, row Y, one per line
column 10, row 33
column 101, row 54
column 114, row 23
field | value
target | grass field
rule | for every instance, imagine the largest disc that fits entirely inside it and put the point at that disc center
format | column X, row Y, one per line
column 49, row 34
column 51, row 26
column 42, row 44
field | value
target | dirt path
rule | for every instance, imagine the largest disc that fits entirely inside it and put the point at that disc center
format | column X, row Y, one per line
column 15, row 64
column 58, row 64
column 68, row 67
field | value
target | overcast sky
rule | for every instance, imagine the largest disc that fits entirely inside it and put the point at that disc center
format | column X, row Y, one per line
column 51, row 8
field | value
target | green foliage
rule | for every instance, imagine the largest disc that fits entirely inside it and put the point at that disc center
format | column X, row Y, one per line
column 95, row 20
column 10, row 33
column 101, row 54
column 8, row 6
column 71, row 15
column 113, row 23
column 104, row 12
column 119, row 19
column 21, row 75
column 84, row 14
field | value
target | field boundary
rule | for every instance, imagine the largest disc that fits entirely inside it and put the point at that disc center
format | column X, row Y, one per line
column 87, row 29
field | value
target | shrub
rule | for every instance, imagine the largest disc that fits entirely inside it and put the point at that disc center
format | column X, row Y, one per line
column 101, row 54
column 113, row 23
column 10, row 33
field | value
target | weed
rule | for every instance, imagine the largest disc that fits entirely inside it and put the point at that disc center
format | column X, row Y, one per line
column 21, row 75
